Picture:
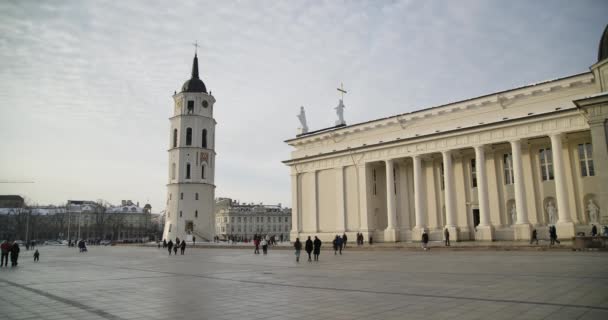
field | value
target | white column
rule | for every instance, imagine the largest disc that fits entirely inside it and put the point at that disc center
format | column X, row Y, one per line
column 482, row 186
column 560, row 179
column 295, row 210
column 341, row 223
column 390, row 195
column 520, row 192
column 418, row 193
column 314, row 202
column 448, row 182
column 362, row 193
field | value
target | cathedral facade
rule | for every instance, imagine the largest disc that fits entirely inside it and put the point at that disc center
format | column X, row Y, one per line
column 487, row 168
column 190, row 187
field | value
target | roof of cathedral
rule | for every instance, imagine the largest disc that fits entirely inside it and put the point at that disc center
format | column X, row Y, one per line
column 602, row 52
column 195, row 84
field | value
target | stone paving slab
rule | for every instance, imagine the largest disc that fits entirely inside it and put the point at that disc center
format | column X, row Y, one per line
column 146, row 283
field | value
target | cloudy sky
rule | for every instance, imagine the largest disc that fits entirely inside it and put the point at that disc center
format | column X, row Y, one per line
column 85, row 86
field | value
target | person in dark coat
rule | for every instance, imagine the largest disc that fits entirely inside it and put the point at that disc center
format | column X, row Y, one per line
column 425, row 240
column 446, row 235
column 193, row 241
column 553, row 235
column 14, row 254
column 170, row 246
column 164, row 243
column 6, row 249
column 316, row 248
column 175, row 247
column 298, row 246
column 344, row 238
column 183, row 247
column 593, row 230
column 308, row 247
column 534, row 237
column 335, row 244
column 36, row 256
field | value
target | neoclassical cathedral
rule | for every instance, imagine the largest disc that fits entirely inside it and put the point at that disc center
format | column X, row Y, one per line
column 487, row 168
column 191, row 189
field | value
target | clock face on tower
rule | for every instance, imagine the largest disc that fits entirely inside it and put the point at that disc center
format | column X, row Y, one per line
column 205, row 104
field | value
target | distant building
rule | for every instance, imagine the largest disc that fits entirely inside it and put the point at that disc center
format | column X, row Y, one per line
column 243, row 220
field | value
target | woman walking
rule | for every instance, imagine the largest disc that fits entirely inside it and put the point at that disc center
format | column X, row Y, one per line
column 298, row 246
column 316, row 248
column 308, row 248
column 170, row 246
column 264, row 246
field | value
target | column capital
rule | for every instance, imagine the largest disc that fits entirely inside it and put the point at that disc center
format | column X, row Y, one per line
column 447, row 152
column 481, row 147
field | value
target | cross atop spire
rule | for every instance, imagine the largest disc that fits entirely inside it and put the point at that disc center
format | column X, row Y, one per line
column 196, row 46
column 341, row 90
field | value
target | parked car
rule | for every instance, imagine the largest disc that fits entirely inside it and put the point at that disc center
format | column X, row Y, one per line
column 105, row 242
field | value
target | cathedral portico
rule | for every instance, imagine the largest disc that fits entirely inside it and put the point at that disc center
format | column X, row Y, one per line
column 488, row 168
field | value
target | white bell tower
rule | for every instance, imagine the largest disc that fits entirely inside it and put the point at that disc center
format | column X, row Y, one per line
column 191, row 188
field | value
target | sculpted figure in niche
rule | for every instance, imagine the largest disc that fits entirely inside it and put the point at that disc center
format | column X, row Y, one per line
column 302, row 118
column 594, row 211
column 552, row 211
column 513, row 214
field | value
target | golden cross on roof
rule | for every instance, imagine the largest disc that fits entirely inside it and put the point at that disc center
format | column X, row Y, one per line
column 341, row 89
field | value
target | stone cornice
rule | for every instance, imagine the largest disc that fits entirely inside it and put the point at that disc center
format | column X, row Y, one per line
column 542, row 125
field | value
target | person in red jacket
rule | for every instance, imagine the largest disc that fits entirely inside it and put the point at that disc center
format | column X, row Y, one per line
column 5, row 247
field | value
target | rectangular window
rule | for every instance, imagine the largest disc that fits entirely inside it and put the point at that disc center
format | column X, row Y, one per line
column 473, row 174
column 585, row 156
column 181, row 196
column 395, row 180
column 374, row 174
column 187, row 171
column 442, row 177
column 508, row 167
column 546, row 164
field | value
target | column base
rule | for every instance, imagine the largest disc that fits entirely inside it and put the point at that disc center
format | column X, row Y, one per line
column 522, row 231
column 484, row 233
column 293, row 235
column 565, row 230
column 391, row 235
column 417, row 233
column 454, row 233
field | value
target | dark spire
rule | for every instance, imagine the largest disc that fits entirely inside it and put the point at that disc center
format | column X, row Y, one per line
column 195, row 67
column 602, row 53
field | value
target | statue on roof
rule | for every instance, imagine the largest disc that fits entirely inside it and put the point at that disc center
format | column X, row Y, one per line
column 302, row 117
column 340, row 112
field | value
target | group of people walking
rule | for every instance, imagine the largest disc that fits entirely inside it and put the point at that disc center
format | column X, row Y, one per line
column 11, row 249
column 310, row 246
column 264, row 241
column 181, row 245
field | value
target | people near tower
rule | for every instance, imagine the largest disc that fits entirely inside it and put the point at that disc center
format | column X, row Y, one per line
column 175, row 247
column 308, row 247
column 264, row 246
column 193, row 241
column 164, row 243
column 593, row 230
column 36, row 256
column 14, row 254
column 182, row 247
column 425, row 240
column 371, row 240
column 298, row 246
column 5, row 247
column 316, row 248
column 534, row 237
column 337, row 245
column 170, row 246
column 446, row 235
column 344, row 238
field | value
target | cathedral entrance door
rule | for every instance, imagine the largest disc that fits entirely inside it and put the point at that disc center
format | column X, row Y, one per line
column 475, row 217
column 189, row 226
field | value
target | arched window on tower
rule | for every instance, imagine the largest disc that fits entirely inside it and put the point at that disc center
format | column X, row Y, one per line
column 173, row 171
column 174, row 138
column 196, row 214
column 188, row 136
column 187, row 170
column 203, row 172
column 204, row 138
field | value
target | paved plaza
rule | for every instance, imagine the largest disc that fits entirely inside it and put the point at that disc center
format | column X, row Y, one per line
column 145, row 283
